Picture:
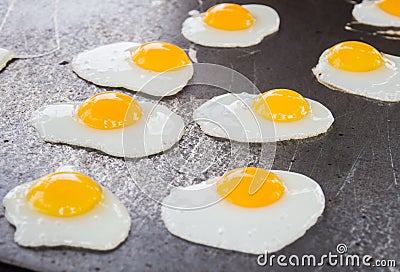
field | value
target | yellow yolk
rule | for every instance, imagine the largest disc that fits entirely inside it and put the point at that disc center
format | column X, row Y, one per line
column 160, row 56
column 228, row 17
column 250, row 187
column 390, row 6
column 64, row 194
column 355, row 56
column 281, row 105
column 109, row 110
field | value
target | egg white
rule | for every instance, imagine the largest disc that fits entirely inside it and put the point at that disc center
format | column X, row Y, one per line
column 157, row 130
column 112, row 66
column 368, row 12
column 266, row 22
column 231, row 116
column 191, row 214
column 102, row 228
column 381, row 84
column 5, row 57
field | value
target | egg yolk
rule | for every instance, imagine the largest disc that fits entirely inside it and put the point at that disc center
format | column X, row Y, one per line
column 355, row 56
column 228, row 17
column 109, row 110
column 64, row 194
column 160, row 57
column 281, row 105
column 390, row 6
column 250, row 187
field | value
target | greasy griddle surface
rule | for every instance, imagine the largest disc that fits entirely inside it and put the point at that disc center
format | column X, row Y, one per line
column 356, row 162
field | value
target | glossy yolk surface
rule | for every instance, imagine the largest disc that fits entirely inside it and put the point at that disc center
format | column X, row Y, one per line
column 64, row 194
column 354, row 56
column 160, row 56
column 390, row 6
column 281, row 105
column 250, row 187
column 228, row 17
column 109, row 110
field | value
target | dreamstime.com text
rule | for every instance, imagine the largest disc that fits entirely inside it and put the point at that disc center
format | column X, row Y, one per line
column 340, row 258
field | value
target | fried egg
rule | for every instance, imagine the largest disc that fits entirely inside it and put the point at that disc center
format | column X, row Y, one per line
column 231, row 25
column 249, row 210
column 385, row 13
column 276, row 115
column 358, row 68
column 154, row 68
column 66, row 209
column 5, row 57
column 111, row 122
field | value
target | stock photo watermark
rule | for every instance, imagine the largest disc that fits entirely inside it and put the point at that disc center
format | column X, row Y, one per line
column 339, row 258
column 199, row 156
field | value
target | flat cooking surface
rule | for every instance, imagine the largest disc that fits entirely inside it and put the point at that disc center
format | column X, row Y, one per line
column 356, row 162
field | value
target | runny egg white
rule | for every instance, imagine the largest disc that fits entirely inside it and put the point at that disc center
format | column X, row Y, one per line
column 384, row 13
column 5, row 57
column 276, row 115
column 231, row 25
column 358, row 68
column 111, row 122
column 248, row 210
column 66, row 208
column 154, row 68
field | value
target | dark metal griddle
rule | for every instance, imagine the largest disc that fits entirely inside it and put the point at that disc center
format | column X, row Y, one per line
column 356, row 162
